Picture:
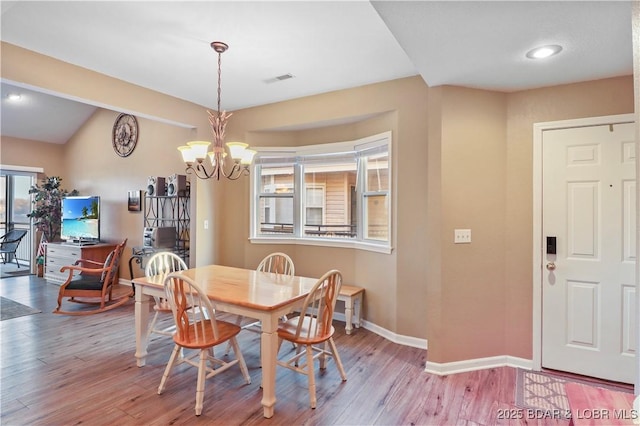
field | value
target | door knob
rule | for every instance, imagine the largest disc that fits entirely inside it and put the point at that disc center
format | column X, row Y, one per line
column 551, row 266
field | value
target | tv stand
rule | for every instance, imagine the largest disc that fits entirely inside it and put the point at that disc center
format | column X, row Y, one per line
column 58, row 255
column 81, row 243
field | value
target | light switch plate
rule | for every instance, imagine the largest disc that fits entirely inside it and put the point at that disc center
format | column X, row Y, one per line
column 462, row 236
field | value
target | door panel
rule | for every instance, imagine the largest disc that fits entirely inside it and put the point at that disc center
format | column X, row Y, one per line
column 588, row 289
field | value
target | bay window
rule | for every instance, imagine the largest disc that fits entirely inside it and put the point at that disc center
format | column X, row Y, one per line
column 336, row 194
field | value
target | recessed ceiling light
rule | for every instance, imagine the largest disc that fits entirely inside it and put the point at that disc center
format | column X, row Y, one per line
column 14, row 97
column 544, row 51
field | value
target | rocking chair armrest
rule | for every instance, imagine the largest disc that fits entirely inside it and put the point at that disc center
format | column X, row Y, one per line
column 92, row 262
column 73, row 268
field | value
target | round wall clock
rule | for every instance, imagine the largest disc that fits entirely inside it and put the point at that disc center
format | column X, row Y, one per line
column 125, row 134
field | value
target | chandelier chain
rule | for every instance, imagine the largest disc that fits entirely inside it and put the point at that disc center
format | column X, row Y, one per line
column 219, row 80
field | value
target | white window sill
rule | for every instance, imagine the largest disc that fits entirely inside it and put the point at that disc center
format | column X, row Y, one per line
column 358, row 245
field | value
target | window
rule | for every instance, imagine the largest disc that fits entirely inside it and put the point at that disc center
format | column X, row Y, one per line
column 314, row 205
column 331, row 194
column 276, row 200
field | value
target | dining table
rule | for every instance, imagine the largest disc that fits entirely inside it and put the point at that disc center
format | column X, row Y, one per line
column 264, row 296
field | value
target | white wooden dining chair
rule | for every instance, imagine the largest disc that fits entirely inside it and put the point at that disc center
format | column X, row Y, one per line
column 158, row 264
column 277, row 263
column 199, row 330
column 314, row 328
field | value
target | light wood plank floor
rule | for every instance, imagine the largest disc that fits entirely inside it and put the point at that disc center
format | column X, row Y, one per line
column 63, row 370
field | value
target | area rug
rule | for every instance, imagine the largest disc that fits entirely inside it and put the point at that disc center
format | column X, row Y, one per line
column 11, row 309
column 540, row 391
column 17, row 273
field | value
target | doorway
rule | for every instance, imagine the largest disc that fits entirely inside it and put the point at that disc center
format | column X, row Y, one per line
column 15, row 205
column 585, row 247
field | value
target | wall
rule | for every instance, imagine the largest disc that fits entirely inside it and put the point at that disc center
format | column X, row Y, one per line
column 28, row 153
column 393, row 292
column 473, row 140
column 94, row 168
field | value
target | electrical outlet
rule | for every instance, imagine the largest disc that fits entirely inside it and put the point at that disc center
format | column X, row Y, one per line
column 462, row 236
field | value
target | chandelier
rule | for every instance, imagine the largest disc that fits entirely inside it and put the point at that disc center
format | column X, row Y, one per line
column 195, row 152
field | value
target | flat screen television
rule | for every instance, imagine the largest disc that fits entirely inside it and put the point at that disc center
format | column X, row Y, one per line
column 81, row 220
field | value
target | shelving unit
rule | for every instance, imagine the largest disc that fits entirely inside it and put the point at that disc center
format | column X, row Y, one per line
column 170, row 211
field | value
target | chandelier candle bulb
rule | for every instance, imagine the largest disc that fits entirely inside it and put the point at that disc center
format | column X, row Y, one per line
column 236, row 149
column 187, row 154
column 247, row 156
column 199, row 149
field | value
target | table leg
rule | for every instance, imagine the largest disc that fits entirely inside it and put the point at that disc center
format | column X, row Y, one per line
column 269, row 353
column 142, row 306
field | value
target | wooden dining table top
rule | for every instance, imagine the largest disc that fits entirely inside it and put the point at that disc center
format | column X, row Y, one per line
column 265, row 291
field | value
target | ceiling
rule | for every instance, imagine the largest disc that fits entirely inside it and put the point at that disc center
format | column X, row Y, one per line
column 324, row 45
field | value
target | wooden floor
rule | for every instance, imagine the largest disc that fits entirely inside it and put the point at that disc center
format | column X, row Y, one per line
column 64, row 370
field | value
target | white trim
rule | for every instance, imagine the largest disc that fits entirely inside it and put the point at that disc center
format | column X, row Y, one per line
column 443, row 369
column 347, row 243
column 400, row 339
column 6, row 167
column 538, row 129
column 297, row 155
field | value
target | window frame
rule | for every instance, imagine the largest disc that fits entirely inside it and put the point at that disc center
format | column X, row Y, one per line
column 281, row 156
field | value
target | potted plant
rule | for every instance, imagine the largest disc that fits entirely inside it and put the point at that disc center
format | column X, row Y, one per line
column 46, row 213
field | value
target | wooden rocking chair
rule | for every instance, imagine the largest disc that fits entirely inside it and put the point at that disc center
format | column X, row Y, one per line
column 95, row 284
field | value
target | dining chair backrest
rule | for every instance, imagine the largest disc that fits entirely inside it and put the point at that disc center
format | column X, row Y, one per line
column 279, row 263
column 164, row 263
column 316, row 315
column 192, row 325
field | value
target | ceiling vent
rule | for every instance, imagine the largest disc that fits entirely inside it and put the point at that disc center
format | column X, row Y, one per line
column 278, row 78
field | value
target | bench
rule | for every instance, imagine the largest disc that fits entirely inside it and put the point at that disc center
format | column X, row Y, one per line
column 352, row 298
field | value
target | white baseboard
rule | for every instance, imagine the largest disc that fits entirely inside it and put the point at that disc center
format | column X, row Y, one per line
column 443, row 369
column 414, row 342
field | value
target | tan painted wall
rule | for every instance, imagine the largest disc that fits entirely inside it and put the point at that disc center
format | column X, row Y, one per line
column 28, row 153
column 461, row 158
column 473, row 140
column 388, row 286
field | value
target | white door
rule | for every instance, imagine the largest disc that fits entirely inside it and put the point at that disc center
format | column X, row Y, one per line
column 588, row 286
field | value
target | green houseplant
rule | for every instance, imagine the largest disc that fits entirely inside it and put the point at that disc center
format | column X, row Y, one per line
column 46, row 213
